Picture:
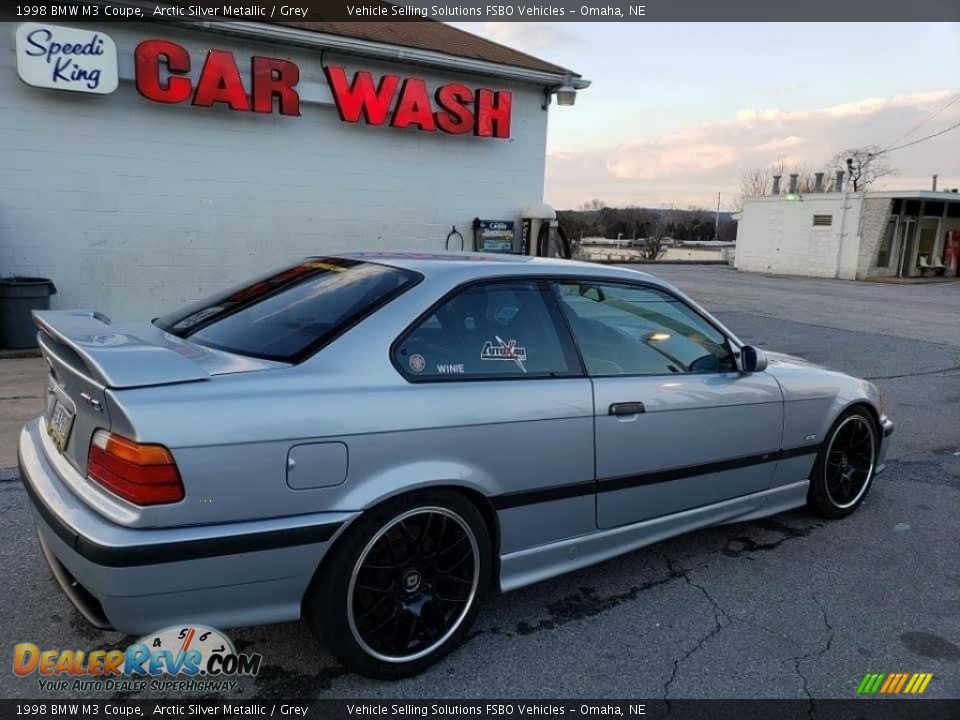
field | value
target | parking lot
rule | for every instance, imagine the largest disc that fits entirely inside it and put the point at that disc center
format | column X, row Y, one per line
column 787, row 607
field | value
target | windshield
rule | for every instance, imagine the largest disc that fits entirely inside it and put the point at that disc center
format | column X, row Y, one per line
column 290, row 314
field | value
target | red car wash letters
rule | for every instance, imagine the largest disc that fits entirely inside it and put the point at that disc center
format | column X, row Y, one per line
column 162, row 68
column 219, row 79
column 490, row 116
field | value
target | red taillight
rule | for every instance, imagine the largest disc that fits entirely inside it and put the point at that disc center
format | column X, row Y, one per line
column 142, row 474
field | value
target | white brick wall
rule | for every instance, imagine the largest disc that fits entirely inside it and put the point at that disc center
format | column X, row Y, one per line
column 876, row 214
column 777, row 235
column 134, row 207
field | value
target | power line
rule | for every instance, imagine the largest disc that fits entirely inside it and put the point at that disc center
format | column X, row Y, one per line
column 927, row 119
column 919, row 140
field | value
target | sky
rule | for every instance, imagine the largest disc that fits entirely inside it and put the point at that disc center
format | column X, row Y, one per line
column 679, row 112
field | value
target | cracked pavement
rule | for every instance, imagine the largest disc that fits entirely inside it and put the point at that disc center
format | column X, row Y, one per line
column 786, row 607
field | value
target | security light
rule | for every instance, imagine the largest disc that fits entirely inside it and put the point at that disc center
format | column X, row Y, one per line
column 566, row 93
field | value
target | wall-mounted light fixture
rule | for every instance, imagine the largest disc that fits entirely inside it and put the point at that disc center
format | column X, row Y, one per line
column 566, row 93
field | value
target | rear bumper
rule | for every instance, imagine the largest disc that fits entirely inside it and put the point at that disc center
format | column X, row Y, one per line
column 138, row 580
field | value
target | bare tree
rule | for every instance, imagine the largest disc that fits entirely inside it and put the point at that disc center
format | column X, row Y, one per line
column 865, row 166
column 806, row 182
column 652, row 248
column 755, row 181
column 593, row 205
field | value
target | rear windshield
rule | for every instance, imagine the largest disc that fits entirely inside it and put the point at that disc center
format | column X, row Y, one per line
column 288, row 315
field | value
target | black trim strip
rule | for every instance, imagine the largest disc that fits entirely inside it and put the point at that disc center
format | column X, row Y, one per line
column 799, row 451
column 135, row 555
column 565, row 492
column 540, row 495
column 679, row 473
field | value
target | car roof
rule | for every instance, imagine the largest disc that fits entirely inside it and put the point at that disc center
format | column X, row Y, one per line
column 477, row 265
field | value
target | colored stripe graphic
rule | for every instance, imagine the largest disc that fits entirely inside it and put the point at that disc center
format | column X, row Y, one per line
column 894, row 683
column 900, row 683
column 871, row 683
column 919, row 682
column 891, row 681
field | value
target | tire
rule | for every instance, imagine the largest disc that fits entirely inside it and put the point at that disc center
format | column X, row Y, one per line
column 845, row 465
column 402, row 587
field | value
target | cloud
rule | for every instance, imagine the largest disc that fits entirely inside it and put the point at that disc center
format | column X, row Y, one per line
column 690, row 165
column 777, row 144
column 651, row 160
column 868, row 106
column 783, row 89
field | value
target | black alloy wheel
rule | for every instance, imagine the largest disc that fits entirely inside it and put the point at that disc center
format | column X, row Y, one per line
column 845, row 465
column 401, row 588
column 849, row 461
column 413, row 583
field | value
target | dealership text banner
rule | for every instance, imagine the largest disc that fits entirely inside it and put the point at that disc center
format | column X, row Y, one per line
column 514, row 709
column 476, row 10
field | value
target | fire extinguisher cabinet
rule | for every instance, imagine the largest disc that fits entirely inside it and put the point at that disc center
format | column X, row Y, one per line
column 18, row 297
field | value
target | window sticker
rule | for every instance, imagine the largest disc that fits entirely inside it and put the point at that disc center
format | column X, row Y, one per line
column 505, row 313
column 504, row 350
column 417, row 363
column 450, row 368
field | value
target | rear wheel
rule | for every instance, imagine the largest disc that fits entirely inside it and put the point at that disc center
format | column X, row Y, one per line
column 401, row 590
column 845, row 466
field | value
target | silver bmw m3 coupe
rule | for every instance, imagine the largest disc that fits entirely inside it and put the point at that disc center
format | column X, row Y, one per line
column 373, row 441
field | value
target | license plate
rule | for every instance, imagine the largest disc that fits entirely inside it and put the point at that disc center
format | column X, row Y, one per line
column 59, row 423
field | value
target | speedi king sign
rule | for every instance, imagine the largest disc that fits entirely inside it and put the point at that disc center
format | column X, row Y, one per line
column 51, row 56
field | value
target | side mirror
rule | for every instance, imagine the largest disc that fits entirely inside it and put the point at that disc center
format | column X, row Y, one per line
column 751, row 359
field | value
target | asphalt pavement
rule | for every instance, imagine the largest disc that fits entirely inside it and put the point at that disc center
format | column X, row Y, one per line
column 787, row 607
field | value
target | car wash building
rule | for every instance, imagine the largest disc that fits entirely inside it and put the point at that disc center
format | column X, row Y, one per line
column 148, row 164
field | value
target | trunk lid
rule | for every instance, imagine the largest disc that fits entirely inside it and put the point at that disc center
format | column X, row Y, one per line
column 88, row 356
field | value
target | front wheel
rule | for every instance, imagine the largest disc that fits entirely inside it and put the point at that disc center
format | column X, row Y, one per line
column 402, row 588
column 845, row 466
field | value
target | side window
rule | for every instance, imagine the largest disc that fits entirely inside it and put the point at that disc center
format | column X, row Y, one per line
column 630, row 330
column 497, row 330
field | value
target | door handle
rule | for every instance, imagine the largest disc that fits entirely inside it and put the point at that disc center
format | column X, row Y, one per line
column 628, row 408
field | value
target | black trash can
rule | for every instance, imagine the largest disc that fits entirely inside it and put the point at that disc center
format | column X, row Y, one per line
column 18, row 296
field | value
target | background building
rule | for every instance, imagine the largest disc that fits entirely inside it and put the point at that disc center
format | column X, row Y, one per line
column 185, row 164
column 853, row 236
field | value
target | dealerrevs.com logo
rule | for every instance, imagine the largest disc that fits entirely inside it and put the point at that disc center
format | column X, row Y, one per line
column 177, row 659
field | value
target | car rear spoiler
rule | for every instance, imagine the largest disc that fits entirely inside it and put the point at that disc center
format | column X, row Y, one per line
column 113, row 359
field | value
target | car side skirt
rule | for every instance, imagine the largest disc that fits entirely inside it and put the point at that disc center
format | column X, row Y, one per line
column 531, row 565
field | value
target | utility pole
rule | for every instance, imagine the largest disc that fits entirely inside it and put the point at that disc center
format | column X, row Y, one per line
column 843, row 218
column 843, row 211
column 716, row 225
